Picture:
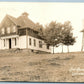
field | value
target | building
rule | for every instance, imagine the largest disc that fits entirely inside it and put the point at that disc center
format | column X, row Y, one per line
column 82, row 40
column 20, row 33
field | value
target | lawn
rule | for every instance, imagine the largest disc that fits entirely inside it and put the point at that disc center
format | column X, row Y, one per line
column 24, row 66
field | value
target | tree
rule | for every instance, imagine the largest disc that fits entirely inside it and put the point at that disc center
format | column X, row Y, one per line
column 52, row 34
column 68, row 38
column 40, row 30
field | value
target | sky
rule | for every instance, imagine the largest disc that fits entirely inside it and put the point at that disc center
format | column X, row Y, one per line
column 44, row 13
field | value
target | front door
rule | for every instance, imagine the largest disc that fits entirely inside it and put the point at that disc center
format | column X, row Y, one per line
column 9, row 43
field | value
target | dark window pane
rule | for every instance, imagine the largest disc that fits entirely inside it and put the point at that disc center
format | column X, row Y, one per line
column 47, row 46
column 29, row 41
column 34, row 42
column 15, row 42
column 40, row 44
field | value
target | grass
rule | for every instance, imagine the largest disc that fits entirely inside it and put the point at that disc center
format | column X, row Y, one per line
column 23, row 66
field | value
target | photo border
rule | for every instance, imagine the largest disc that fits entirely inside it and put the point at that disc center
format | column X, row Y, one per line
column 64, row 1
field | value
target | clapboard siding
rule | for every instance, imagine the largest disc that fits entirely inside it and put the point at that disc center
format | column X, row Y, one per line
column 5, row 24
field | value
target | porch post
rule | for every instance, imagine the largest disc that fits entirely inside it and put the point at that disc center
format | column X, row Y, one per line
column 26, row 39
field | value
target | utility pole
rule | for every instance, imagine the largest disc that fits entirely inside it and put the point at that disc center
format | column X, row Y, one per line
column 82, row 40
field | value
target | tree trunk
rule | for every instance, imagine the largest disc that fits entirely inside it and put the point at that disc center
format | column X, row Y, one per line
column 62, row 48
column 68, row 49
column 53, row 49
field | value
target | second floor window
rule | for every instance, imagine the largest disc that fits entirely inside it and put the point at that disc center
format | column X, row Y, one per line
column 3, row 31
column 8, row 30
column 14, row 29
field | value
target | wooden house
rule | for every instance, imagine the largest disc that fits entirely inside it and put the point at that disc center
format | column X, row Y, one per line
column 20, row 33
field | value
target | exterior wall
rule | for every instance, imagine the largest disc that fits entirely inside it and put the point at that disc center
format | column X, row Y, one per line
column 6, row 38
column 6, row 44
column 6, row 22
column 13, row 43
column 22, row 42
column 44, row 48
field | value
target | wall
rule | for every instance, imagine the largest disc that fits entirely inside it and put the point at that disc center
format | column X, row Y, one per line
column 7, row 42
column 22, row 42
column 37, row 45
column 2, row 44
column 6, row 22
column 13, row 43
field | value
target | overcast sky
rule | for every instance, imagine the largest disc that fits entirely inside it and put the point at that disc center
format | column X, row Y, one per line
column 44, row 13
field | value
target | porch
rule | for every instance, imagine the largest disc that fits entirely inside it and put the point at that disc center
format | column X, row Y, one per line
column 9, row 42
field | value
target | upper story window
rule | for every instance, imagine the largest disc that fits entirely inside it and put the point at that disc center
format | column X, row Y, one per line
column 14, row 29
column 29, row 41
column 34, row 42
column 40, row 44
column 8, row 29
column 3, row 31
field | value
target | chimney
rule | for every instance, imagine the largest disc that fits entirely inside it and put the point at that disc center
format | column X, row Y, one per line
column 25, row 14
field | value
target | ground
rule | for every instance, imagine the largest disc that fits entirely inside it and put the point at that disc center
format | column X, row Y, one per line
column 24, row 66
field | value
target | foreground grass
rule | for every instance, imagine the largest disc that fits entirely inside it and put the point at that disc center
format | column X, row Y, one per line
column 23, row 66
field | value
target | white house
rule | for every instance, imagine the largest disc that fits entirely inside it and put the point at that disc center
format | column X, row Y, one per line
column 20, row 33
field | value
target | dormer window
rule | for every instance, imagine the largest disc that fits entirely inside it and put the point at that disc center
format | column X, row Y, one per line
column 14, row 29
column 8, row 30
column 3, row 31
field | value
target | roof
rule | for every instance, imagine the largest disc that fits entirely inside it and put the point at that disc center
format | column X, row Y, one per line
column 13, row 19
column 82, row 30
column 22, row 21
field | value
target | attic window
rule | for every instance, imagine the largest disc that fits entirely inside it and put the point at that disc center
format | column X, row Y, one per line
column 14, row 29
column 2, row 31
column 8, row 30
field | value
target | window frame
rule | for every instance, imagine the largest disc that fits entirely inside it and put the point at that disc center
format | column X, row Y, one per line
column 40, row 44
column 48, row 47
column 35, row 42
column 14, row 28
column 8, row 30
column 4, row 42
column 15, row 39
column 30, row 41
column 2, row 31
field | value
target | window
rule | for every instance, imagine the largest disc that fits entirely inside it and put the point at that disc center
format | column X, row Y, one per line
column 15, row 41
column 4, row 42
column 14, row 29
column 2, row 31
column 47, row 46
column 29, row 41
column 34, row 42
column 8, row 30
column 40, row 44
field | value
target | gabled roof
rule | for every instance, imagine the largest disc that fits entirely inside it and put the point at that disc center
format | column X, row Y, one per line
column 82, row 30
column 13, row 19
column 22, row 21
